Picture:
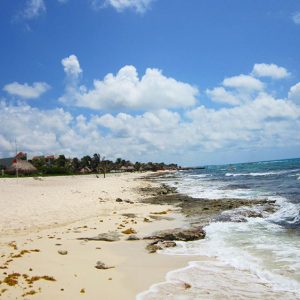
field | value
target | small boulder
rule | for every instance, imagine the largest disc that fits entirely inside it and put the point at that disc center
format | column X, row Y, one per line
column 62, row 252
column 153, row 247
column 133, row 237
column 119, row 200
column 102, row 266
column 159, row 245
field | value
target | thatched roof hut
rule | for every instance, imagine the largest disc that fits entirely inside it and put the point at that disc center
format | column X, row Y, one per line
column 127, row 169
column 85, row 170
column 23, row 167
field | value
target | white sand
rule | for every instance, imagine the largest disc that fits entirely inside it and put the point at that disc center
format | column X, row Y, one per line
column 41, row 214
column 28, row 203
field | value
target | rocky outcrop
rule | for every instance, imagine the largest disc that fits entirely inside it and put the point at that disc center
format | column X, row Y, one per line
column 159, row 245
column 201, row 212
column 179, row 234
column 163, row 189
column 111, row 236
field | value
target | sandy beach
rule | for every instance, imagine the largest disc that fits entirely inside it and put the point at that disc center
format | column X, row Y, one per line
column 43, row 221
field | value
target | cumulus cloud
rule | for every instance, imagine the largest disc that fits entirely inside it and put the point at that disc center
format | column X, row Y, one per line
column 236, row 90
column 35, row 130
column 33, row 9
column 126, row 90
column 25, row 90
column 71, row 66
column 269, row 70
column 263, row 122
column 255, row 121
column 243, row 82
column 294, row 93
column 219, row 94
column 296, row 18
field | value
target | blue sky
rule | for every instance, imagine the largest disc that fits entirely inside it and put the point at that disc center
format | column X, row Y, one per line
column 194, row 82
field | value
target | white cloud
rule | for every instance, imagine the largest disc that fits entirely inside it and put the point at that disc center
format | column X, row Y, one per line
column 126, row 90
column 71, row 66
column 219, row 94
column 263, row 122
column 160, row 134
column 296, row 18
column 269, row 70
column 35, row 130
column 294, row 93
column 25, row 90
column 244, row 82
column 33, row 9
column 139, row 6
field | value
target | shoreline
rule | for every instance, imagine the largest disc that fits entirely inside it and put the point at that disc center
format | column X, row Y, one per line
column 117, row 203
column 210, row 274
column 29, row 251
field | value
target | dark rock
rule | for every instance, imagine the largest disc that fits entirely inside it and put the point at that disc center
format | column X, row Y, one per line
column 238, row 215
column 161, row 190
column 110, row 236
column 129, row 215
column 269, row 208
column 201, row 211
column 230, row 218
column 167, row 244
column 159, row 245
column 119, row 200
column 253, row 214
column 62, row 252
column 102, row 266
column 186, row 285
column 133, row 237
column 179, row 234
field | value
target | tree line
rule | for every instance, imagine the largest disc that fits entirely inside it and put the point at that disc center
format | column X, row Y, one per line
column 93, row 164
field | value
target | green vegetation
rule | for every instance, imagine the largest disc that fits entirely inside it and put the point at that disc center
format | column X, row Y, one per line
column 49, row 166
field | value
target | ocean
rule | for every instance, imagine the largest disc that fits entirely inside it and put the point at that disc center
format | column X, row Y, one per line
column 256, row 258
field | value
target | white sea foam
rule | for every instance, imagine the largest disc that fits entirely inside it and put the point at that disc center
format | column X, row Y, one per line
column 212, row 279
column 258, row 252
column 215, row 190
column 288, row 212
column 261, row 173
column 195, row 176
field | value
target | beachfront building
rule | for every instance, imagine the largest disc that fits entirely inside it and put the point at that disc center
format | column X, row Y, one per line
column 17, row 164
